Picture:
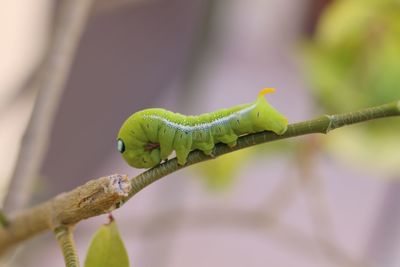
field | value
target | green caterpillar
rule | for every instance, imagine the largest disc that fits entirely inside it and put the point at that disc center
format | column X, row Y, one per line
column 151, row 135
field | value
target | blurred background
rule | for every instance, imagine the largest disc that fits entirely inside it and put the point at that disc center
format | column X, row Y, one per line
column 74, row 70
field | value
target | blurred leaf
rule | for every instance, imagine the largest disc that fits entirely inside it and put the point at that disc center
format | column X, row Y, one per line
column 354, row 59
column 219, row 174
column 355, row 146
column 107, row 248
column 353, row 62
column 3, row 220
column 344, row 21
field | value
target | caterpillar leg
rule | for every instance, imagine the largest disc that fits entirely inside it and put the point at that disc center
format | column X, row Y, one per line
column 232, row 144
column 155, row 156
column 209, row 152
column 229, row 139
column 182, row 145
column 207, row 148
column 182, row 154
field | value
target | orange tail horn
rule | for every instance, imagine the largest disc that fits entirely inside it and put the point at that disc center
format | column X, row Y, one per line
column 266, row 91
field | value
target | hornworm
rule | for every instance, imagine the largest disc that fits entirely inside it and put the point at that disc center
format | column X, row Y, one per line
column 151, row 135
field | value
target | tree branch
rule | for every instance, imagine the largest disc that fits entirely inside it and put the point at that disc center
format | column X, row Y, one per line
column 107, row 193
column 96, row 197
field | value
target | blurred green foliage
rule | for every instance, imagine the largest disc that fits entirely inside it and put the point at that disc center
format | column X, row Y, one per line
column 353, row 62
column 219, row 175
column 354, row 59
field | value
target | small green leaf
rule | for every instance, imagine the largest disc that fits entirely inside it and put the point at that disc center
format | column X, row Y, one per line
column 107, row 248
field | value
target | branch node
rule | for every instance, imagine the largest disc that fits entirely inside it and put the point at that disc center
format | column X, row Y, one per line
column 119, row 184
column 331, row 125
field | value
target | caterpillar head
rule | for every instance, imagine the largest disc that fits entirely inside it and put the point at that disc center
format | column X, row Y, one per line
column 272, row 119
column 134, row 147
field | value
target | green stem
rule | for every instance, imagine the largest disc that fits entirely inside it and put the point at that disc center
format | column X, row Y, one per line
column 66, row 241
column 322, row 124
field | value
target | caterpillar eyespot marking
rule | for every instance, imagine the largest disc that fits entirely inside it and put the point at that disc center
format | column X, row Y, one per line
column 149, row 136
column 120, row 146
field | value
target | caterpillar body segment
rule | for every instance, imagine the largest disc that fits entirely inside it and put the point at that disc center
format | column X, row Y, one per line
column 151, row 135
